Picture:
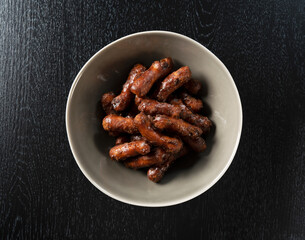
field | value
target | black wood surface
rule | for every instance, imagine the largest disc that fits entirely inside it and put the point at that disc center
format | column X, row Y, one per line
column 44, row 195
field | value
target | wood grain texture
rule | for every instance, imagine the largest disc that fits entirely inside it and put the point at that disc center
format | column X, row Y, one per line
column 43, row 194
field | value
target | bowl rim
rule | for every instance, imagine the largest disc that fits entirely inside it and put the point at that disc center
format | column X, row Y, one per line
column 174, row 201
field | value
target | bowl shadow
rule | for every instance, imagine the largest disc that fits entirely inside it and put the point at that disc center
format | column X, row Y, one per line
column 102, row 140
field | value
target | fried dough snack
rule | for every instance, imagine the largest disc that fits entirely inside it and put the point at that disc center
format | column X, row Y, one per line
column 203, row 122
column 156, row 173
column 155, row 157
column 137, row 138
column 153, row 107
column 131, row 149
column 172, row 82
column 197, row 144
column 152, row 122
column 115, row 123
column 137, row 100
column 158, row 69
column 179, row 126
column 193, row 86
column 106, row 102
column 144, row 126
column 122, row 101
column 121, row 139
column 195, row 105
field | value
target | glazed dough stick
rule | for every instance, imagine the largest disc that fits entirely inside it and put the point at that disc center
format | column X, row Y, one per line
column 158, row 69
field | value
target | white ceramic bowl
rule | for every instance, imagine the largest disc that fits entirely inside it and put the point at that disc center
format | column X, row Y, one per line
column 106, row 71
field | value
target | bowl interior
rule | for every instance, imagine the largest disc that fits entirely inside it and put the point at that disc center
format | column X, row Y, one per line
column 107, row 71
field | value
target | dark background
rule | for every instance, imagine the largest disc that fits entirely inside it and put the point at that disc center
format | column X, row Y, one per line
column 44, row 195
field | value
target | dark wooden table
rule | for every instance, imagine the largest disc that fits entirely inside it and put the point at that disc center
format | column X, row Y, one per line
column 44, row 195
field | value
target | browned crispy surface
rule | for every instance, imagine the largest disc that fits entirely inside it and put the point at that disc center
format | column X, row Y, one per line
column 153, row 107
column 173, row 82
column 195, row 105
column 178, row 102
column 157, row 156
column 197, row 144
column 137, row 137
column 106, row 102
column 201, row 121
column 121, row 139
column 144, row 125
column 122, row 101
column 156, row 173
column 115, row 123
column 178, row 126
column 158, row 69
column 137, row 100
column 193, row 86
column 186, row 114
column 131, row 149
